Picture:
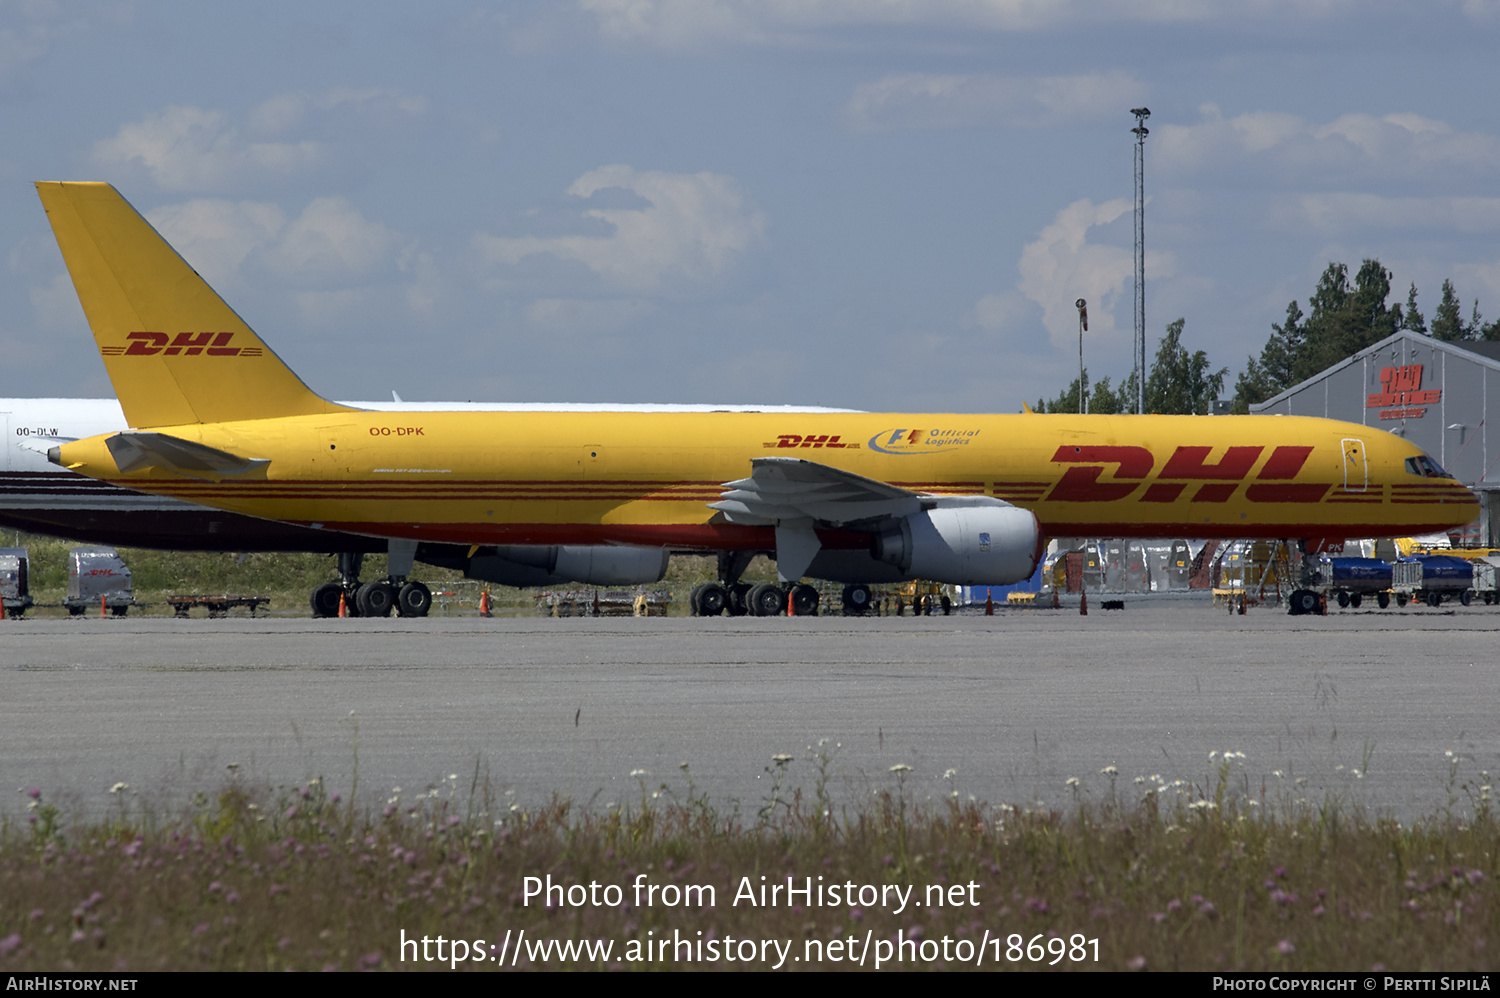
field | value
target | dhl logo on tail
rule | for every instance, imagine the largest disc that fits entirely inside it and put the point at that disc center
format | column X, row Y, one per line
column 147, row 344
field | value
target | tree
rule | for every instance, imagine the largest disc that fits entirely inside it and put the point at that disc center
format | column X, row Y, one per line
column 1179, row 382
column 1345, row 318
column 1273, row 372
column 1448, row 320
column 1412, row 319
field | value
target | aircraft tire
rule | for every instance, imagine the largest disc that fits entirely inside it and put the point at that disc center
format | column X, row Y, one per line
column 1382, row 600
column 413, row 600
column 738, row 603
column 712, row 599
column 804, row 600
column 766, row 600
column 1303, row 601
column 858, row 599
column 375, row 599
column 325, row 600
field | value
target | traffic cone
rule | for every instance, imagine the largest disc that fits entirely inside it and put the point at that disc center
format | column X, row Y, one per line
column 989, row 603
column 484, row 603
column 1083, row 604
column 791, row 604
column 2, row 609
column 343, row 606
column 102, row 613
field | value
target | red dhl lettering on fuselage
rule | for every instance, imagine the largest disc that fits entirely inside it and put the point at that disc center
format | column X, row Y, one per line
column 211, row 344
column 789, row 440
column 1188, row 466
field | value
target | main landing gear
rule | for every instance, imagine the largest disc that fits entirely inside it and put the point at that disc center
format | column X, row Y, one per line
column 379, row 597
column 738, row 599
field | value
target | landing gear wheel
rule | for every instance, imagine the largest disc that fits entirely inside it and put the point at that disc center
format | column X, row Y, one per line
column 413, row 600
column 766, row 600
column 325, row 599
column 1382, row 600
column 1466, row 597
column 858, row 600
column 1355, row 599
column 119, row 611
column 75, row 611
column 946, row 603
column 1303, row 601
column 739, row 599
column 712, row 598
column 375, row 599
column 1434, row 598
column 804, row 600
column 1343, row 598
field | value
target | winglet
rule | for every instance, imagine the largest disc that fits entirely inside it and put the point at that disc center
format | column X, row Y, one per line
column 175, row 352
column 1027, row 409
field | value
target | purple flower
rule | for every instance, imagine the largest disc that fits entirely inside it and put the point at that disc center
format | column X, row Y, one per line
column 10, row 944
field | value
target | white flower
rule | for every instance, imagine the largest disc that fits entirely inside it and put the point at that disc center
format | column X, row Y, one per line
column 1072, row 781
column 901, row 767
column 639, row 772
column 1109, row 771
column 119, row 787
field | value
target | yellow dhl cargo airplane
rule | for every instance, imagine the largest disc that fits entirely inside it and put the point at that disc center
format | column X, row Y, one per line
column 218, row 419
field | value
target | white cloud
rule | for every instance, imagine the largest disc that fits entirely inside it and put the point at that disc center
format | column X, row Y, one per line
column 190, row 149
column 1395, row 145
column 329, row 244
column 196, row 149
column 998, row 312
column 925, row 100
column 574, row 316
column 1345, row 212
column 692, row 229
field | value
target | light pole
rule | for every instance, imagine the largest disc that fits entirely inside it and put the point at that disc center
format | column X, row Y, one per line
column 1083, row 325
column 1141, row 114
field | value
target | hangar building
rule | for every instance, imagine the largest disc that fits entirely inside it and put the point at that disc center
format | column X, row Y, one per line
column 1438, row 395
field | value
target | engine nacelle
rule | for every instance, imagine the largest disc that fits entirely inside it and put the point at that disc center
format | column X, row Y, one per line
column 596, row 565
column 965, row 540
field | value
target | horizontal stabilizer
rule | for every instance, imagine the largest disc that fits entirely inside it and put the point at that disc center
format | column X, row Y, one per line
column 133, row 451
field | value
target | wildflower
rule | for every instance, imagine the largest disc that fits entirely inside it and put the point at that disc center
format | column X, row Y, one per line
column 1073, row 781
column 118, row 787
column 1137, row 963
column 950, row 774
column 781, row 759
column 901, row 767
column 1109, row 771
column 10, row 944
column 639, row 772
column 1285, row 947
column 35, row 793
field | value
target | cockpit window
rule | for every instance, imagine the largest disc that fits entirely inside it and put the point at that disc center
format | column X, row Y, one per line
column 1425, row 467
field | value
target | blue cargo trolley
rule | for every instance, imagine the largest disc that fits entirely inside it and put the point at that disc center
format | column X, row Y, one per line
column 1350, row 580
column 1433, row 578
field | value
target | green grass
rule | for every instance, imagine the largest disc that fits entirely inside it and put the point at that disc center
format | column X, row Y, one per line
column 255, row 878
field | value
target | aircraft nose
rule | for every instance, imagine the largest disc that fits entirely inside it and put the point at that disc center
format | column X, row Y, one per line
column 54, row 454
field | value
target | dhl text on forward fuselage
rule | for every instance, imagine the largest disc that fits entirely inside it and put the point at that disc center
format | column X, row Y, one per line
column 588, row 477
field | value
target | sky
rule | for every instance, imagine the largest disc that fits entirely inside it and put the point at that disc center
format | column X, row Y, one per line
column 877, row 204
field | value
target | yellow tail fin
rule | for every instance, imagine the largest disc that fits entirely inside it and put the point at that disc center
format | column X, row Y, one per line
column 175, row 352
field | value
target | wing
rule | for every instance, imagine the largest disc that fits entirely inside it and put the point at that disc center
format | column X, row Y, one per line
column 789, row 489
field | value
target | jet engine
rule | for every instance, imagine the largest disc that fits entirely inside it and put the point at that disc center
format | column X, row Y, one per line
column 967, row 540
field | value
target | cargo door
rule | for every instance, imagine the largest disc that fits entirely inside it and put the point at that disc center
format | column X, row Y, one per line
column 1356, row 470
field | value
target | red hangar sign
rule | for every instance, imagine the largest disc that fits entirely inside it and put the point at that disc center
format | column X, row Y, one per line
column 1403, row 387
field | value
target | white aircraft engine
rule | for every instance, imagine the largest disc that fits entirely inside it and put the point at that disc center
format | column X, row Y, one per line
column 547, row 565
column 964, row 542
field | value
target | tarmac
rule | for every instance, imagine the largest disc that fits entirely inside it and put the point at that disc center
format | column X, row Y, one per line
column 1362, row 707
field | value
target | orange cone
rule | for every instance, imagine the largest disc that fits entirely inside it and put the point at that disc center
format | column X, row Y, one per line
column 343, row 606
column 791, row 604
column 989, row 603
column 2, row 609
column 484, row 603
column 1083, row 604
column 102, row 613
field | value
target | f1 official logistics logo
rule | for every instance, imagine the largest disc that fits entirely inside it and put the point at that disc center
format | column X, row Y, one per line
column 907, row 442
column 144, row 344
column 1190, row 467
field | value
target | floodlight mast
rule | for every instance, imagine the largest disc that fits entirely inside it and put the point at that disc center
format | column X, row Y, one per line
column 1083, row 325
column 1140, row 131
